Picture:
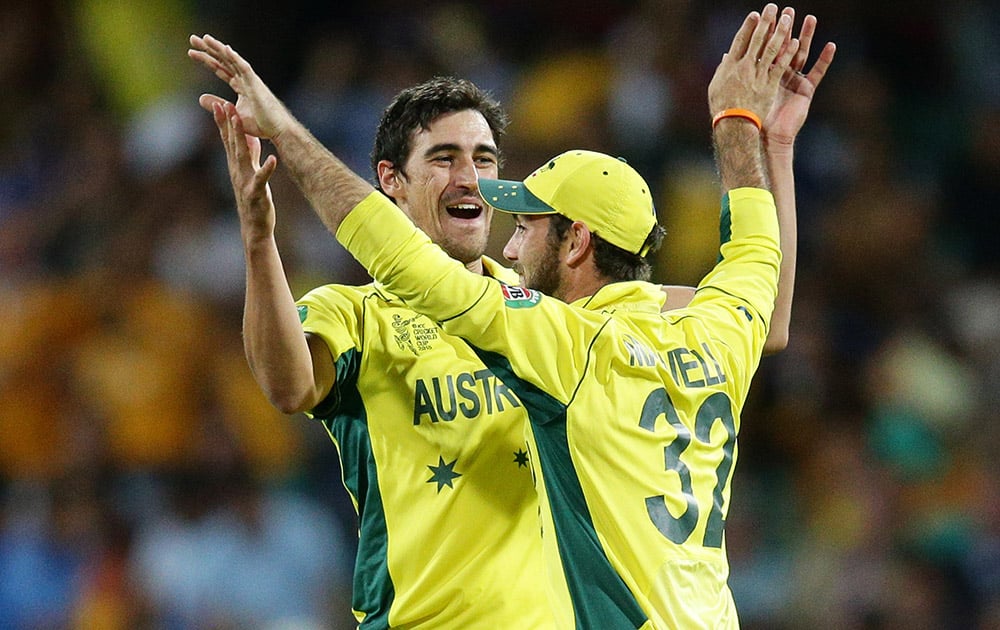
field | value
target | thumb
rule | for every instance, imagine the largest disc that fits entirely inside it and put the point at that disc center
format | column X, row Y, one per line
column 263, row 174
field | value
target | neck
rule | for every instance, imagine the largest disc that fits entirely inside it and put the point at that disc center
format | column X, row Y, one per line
column 579, row 283
column 476, row 266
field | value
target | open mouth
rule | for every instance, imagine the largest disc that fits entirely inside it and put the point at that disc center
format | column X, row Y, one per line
column 465, row 211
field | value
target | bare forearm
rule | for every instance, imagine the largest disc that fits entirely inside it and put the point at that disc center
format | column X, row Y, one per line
column 739, row 155
column 779, row 161
column 330, row 186
column 273, row 340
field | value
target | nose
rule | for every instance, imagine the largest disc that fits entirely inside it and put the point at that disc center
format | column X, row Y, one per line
column 465, row 174
column 510, row 249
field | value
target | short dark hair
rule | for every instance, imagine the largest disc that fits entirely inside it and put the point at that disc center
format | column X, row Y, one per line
column 417, row 106
column 613, row 262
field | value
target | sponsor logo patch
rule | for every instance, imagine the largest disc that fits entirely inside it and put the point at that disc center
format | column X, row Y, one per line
column 520, row 297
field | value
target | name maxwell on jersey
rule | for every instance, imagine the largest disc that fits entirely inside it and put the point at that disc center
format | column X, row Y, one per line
column 688, row 367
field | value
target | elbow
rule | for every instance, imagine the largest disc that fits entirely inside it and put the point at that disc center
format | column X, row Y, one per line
column 290, row 401
column 777, row 340
column 286, row 405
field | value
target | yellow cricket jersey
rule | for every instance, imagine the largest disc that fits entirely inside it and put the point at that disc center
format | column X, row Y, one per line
column 633, row 413
column 434, row 457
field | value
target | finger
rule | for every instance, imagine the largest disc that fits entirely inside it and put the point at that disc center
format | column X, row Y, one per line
column 239, row 139
column 223, row 52
column 219, row 115
column 232, row 161
column 765, row 28
column 822, row 64
column 200, row 46
column 791, row 77
column 742, row 39
column 263, row 174
column 776, row 47
column 783, row 60
column 805, row 42
column 213, row 45
column 211, row 63
column 209, row 101
column 790, row 12
column 221, row 122
column 232, row 149
column 237, row 66
column 223, row 57
column 196, row 43
column 253, row 142
column 246, row 148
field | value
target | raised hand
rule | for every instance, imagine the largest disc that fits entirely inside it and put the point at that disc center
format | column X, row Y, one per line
column 795, row 94
column 760, row 54
column 248, row 176
column 262, row 113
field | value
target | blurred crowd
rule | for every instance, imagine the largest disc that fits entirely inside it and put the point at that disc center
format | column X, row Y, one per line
column 145, row 482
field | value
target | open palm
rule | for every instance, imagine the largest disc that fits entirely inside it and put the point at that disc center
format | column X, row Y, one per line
column 795, row 94
column 262, row 113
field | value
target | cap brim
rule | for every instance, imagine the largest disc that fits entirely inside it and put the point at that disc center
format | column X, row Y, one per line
column 512, row 196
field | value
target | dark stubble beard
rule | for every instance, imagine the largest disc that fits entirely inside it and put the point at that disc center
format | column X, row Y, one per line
column 546, row 277
column 465, row 252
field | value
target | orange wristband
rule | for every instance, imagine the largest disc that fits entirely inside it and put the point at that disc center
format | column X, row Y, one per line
column 736, row 112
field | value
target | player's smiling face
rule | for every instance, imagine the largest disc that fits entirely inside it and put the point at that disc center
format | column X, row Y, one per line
column 438, row 187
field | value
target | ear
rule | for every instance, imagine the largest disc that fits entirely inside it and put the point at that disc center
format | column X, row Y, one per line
column 579, row 244
column 389, row 178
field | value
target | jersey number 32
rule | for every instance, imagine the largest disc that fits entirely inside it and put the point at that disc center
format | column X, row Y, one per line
column 715, row 408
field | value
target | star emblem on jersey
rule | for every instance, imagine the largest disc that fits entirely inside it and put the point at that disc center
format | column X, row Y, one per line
column 444, row 474
column 521, row 458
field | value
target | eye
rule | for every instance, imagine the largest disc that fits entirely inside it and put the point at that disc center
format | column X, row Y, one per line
column 486, row 161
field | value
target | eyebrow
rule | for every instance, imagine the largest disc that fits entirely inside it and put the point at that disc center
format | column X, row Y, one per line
column 451, row 146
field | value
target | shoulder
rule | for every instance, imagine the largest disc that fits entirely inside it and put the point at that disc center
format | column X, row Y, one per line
column 336, row 305
column 337, row 293
column 676, row 296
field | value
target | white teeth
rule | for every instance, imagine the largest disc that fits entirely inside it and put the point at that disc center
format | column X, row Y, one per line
column 465, row 206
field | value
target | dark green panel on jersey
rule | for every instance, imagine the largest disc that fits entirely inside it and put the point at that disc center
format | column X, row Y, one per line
column 600, row 597
column 347, row 424
column 725, row 224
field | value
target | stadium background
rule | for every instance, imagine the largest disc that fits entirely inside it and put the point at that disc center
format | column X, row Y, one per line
column 145, row 482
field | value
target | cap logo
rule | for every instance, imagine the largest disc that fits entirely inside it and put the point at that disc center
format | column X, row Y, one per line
column 505, row 193
column 548, row 167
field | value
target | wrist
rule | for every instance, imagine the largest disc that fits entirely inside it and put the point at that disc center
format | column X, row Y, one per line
column 256, row 239
column 283, row 122
column 737, row 113
column 778, row 143
column 781, row 148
